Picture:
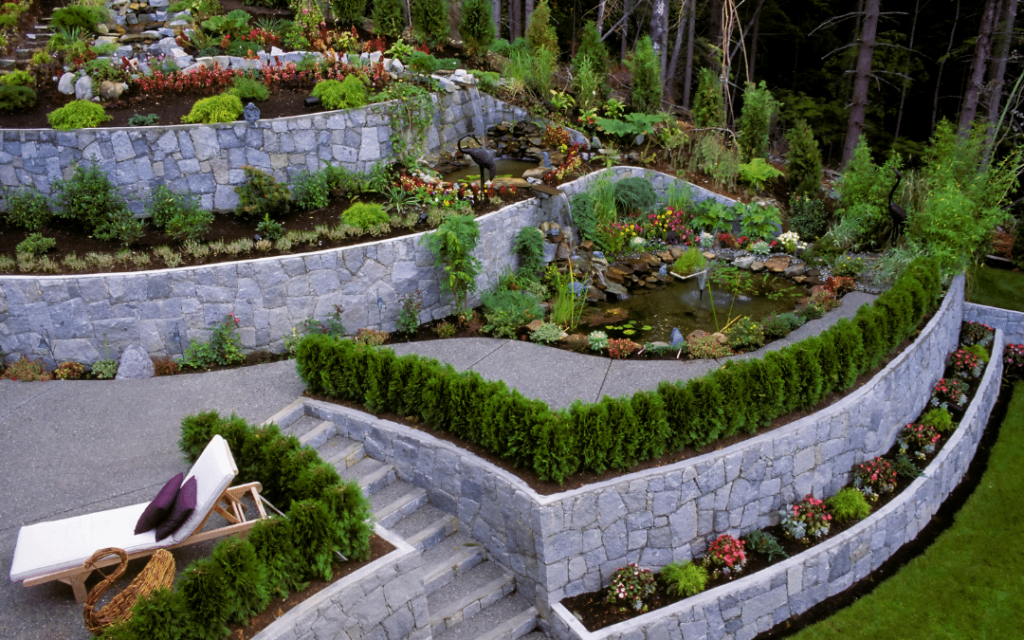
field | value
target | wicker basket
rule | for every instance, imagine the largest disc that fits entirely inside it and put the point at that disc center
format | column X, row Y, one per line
column 158, row 572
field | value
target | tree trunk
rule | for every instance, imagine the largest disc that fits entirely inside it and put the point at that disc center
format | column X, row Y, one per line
column 515, row 11
column 670, row 74
column 942, row 63
column 975, row 82
column 659, row 34
column 688, row 76
column 627, row 7
column 903, row 91
column 496, row 17
column 859, row 103
column 1001, row 39
column 753, row 43
column 715, row 30
column 528, row 13
column 600, row 15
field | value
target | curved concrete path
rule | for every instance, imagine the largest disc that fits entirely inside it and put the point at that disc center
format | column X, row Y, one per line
column 75, row 447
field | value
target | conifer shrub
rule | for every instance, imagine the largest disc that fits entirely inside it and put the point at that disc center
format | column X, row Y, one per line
column 208, row 598
column 223, row 108
column 803, row 168
column 15, row 98
column 539, row 33
column 759, row 107
column 271, row 540
column 388, row 17
column 348, row 12
column 350, row 93
column 708, row 102
column 161, row 615
column 364, row 215
column 849, row 504
column 245, row 577
column 350, row 511
column 477, row 28
column 77, row 114
column 261, row 195
column 430, row 20
column 645, row 96
column 592, row 48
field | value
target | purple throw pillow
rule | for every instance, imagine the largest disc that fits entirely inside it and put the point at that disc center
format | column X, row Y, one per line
column 157, row 510
column 184, row 505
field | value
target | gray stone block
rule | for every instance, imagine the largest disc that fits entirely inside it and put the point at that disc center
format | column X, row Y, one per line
column 135, row 364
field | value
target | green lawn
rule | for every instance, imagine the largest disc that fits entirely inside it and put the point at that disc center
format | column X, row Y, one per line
column 998, row 288
column 970, row 583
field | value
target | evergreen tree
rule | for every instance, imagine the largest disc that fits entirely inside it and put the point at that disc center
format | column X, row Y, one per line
column 593, row 50
column 708, row 104
column 540, row 34
column 388, row 17
column 477, row 28
column 804, row 159
column 348, row 11
column 430, row 19
column 646, row 69
column 759, row 107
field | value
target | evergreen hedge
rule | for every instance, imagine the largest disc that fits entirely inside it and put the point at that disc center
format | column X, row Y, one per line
column 617, row 433
column 238, row 580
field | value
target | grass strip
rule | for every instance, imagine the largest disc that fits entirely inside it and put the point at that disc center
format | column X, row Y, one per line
column 970, row 583
column 998, row 288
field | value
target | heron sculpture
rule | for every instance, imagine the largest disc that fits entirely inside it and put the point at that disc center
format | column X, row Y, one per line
column 897, row 214
column 482, row 157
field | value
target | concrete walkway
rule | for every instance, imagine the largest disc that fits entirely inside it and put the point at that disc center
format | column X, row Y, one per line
column 75, row 447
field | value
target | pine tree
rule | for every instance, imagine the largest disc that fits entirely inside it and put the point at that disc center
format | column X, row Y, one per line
column 388, row 17
column 540, row 34
column 430, row 19
column 646, row 95
column 708, row 104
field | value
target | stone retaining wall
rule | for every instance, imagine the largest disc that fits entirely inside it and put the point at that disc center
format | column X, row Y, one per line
column 384, row 600
column 88, row 317
column 568, row 543
column 1011, row 322
column 207, row 160
column 754, row 604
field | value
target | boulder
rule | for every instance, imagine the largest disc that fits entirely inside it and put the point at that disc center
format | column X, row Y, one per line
column 677, row 337
column 720, row 337
column 135, row 364
column 67, row 84
column 110, row 90
column 744, row 262
column 83, row 88
column 675, row 252
column 616, row 290
column 795, row 271
column 777, row 264
column 696, row 335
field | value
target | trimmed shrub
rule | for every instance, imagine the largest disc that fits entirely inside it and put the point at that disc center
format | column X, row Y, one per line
column 350, row 93
column 226, row 107
column 245, row 577
column 179, row 214
column 388, row 17
column 803, row 167
column 208, row 598
column 430, row 20
column 646, row 69
column 77, row 114
column 15, row 98
column 477, row 28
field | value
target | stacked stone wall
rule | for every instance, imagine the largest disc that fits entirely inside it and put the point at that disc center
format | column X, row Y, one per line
column 568, row 543
column 1011, row 322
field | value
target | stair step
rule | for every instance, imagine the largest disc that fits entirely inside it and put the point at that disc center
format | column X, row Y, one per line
column 536, row 634
column 303, row 425
column 471, row 592
column 507, row 619
column 452, row 557
column 342, row 452
column 372, row 475
column 434, row 533
column 396, row 501
column 318, row 435
column 423, row 524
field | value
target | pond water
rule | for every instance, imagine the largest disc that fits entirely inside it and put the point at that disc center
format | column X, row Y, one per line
column 652, row 315
column 506, row 169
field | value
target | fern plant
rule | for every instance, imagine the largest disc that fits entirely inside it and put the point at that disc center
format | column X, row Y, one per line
column 452, row 245
column 757, row 173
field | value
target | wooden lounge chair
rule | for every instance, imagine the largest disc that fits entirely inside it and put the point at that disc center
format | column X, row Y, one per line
column 57, row 550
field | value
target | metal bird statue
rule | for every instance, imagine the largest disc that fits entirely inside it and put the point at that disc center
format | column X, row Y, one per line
column 482, row 157
column 897, row 214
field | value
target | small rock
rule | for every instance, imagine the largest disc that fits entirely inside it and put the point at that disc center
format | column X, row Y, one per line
column 537, row 173
column 708, row 255
column 135, row 364
column 696, row 335
column 777, row 264
column 757, row 267
column 110, row 90
column 675, row 252
column 562, row 253
column 533, row 326
column 744, row 262
column 616, row 290
column 720, row 337
column 795, row 271
column 677, row 337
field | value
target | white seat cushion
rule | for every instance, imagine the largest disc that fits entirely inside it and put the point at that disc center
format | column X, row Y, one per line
column 49, row 547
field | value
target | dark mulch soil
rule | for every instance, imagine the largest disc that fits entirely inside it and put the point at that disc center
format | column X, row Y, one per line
column 596, row 613
column 379, row 547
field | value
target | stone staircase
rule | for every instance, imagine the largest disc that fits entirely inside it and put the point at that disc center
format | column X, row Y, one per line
column 35, row 40
column 468, row 596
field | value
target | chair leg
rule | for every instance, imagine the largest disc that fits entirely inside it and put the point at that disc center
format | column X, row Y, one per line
column 77, row 583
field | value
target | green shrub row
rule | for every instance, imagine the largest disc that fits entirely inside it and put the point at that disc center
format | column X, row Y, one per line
column 238, row 580
column 617, row 433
